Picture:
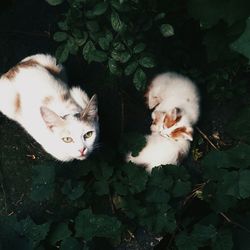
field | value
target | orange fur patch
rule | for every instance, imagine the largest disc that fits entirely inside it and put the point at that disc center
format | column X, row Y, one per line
column 14, row 70
column 169, row 121
column 179, row 131
column 17, row 103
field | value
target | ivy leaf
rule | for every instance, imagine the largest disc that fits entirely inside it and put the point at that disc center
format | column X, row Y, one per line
column 89, row 225
column 105, row 41
column 157, row 195
column 139, row 79
column 130, row 69
column 71, row 244
column 54, row 2
column 159, row 178
column 98, row 56
column 35, row 233
column 139, row 48
column 244, row 184
column 147, row 62
column 183, row 242
column 62, row 53
column 58, row 233
column 60, row 36
column 73, row 190
column 63, row 25
column 42, row 182
column 114, row 67
column 116, row 22
column 167, row 30
column 100, row 8
column 202, row 233
column 88, row 48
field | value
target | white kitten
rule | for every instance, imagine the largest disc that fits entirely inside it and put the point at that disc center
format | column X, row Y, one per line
column 161, row 150
column 64, row 121
column 170, row 90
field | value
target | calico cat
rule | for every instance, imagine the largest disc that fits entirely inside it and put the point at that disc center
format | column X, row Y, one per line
column 63, row 120
column 171, row 90
column 175, row 100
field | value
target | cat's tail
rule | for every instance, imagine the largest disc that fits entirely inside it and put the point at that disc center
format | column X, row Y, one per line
column 47, row 61
column 80, row 97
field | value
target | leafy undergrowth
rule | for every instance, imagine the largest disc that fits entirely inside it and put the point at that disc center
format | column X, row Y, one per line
column 105, row 203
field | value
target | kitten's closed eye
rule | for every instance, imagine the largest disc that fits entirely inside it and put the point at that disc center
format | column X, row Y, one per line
column 87, row 135
column 67, row 139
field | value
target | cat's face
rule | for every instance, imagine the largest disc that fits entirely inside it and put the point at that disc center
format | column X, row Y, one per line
column 77, row 137
column 76, row 134
column 172, row 124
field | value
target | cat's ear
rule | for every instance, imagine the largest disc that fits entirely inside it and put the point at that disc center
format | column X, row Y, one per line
column 175, row 114
column 50, row 118
column 188, row 134
column 90, row 113
column 172, row 118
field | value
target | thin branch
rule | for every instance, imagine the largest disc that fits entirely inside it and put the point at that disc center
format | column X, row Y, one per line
column 234, row 223
column 206, row 138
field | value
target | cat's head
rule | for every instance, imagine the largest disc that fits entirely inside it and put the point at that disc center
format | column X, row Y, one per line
column 76, row 134
column 172, row 124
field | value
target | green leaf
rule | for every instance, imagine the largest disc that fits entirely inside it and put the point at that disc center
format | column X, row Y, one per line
column 100, row 8
column 62, row 53
column 244, row 184
column 35, row 233
column 105, row 41
column 101, row 187
column 63, row 25
column 183, row 242
column 88, row 48
column 181, row 188
column 130, row 69
column 60, row 36
column 71, row 244
column 93, row 26
column 202, row 233
column 114, row 67
column 72, row 46
column 147, row 62
column 223, row 240
column 139, row 79
column 73, row 190
column 98, row 56
column 241, row 45
column 89, row 225
column 54, row 2
column 136, row 178
column 139, row 48
column 58, row 233
column 42, row 182
column 167, row 30
column 159, row 178
column 157, row 195
column 159, row 16
column 116, row 22
column 239, row 126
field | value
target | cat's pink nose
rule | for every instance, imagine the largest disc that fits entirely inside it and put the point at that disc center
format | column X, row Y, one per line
column 82, row 151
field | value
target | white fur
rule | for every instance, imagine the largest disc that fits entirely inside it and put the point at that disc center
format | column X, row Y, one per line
column 33, row 85
column 159, row 151
column 171, row 90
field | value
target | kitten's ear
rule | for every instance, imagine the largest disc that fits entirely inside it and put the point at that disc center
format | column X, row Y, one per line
column 188, row 134
column 91, row 110
column 176, row 113
column 50, row 118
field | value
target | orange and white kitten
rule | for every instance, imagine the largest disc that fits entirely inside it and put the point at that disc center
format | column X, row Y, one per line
column 170, row 90
column 165, row 146
column 63, row 120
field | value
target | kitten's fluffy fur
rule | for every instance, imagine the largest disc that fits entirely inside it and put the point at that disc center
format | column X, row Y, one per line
column 176, row 102
column 170, row 90
column 64, row 121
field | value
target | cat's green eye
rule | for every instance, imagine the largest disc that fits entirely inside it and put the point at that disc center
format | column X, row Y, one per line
column 67, row 139
column 88, row 135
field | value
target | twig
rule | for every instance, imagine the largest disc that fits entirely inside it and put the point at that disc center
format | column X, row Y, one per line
column 206, row 138
column 234, row 223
